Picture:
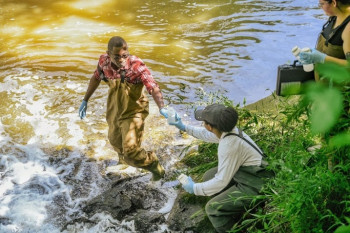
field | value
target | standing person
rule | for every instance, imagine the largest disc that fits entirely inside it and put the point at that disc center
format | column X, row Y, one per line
column 333, row 44
column 239, row 172
column 127, row 104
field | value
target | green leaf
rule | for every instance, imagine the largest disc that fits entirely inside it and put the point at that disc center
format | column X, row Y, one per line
column 336, row 72
column 248, row 221
column 266, row 226
column 340, row 140
column 327, row 105
column 343, row 229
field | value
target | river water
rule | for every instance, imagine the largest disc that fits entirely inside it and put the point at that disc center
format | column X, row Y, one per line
column 49, row 50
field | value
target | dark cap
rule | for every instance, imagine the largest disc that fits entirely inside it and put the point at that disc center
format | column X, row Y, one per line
column 219, row 116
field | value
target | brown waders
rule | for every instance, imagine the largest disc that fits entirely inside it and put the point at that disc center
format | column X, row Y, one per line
column 329, row 49
column 227, row 208
column 333, row 51
column 127, row 109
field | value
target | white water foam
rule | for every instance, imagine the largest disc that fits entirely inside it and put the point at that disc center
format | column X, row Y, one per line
column 45, row 180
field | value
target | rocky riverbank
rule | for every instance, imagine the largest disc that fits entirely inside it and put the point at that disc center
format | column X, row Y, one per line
column 140, row 205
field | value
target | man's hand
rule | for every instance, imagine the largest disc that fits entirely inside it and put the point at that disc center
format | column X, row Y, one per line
column 314, row 56
column 82, row 109
column 164, row 112
column 178, row 123
column 189, row 185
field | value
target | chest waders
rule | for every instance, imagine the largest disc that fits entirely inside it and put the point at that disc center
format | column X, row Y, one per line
column 330, row 41
column 227, row 207
column 127, row 109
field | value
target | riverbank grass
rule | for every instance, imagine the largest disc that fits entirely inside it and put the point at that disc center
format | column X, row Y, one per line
column 307, row 194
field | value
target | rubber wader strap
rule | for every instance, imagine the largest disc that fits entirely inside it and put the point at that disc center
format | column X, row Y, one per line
column 343, row 24
column 241, row 136
column 101, row 74
column 122, row 75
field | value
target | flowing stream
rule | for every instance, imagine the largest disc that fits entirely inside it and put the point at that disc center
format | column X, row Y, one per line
column 51, row 162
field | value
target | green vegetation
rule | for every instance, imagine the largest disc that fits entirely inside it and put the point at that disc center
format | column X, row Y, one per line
column 308, row 147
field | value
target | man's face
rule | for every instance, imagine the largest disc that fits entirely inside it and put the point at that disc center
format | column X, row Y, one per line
column 119, row 56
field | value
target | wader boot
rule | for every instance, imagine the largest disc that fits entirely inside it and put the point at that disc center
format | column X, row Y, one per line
column 127, row 108
column 156, row 169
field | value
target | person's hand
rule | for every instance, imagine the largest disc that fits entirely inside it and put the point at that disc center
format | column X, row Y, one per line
column 189, row 185
column 314, row 56
column 164, row 112
column 178, row 123
column 82, row 109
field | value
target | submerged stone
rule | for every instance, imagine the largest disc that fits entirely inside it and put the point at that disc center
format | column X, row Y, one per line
column 125, row 198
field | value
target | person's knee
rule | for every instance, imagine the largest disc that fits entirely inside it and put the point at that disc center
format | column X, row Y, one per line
column 210, row 209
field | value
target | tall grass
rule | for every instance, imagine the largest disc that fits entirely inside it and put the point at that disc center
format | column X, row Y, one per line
column 311, row 190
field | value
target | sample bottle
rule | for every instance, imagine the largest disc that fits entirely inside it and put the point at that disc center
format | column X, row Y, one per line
column 183, row 179
column 171, row 115
column 296, row 51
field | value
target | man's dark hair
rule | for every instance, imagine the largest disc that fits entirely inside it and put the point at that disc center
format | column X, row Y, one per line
column 117, row 41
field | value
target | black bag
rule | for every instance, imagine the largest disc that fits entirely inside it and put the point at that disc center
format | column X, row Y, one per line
column 291, row 77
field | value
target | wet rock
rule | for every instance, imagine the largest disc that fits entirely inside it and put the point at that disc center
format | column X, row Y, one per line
column 81, row 220
column 58, row 209
column 5, row 221
column 125, row 198
column 186, row 216
column 146, row 221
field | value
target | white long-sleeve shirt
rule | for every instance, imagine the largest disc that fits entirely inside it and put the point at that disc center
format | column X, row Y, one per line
column 233, row 152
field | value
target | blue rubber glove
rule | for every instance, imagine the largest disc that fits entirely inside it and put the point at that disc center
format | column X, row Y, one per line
column 189, row 186
column 178, row 124
column 82, row 109
column 164, row 112
column 314, row 56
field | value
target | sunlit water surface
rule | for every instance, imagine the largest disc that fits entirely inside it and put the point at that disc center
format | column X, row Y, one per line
column 49, row 50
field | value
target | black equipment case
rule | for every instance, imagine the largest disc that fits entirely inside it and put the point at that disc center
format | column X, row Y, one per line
column 290, row 78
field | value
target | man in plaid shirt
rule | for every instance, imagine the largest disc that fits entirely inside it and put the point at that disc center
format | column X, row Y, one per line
column 127, row 104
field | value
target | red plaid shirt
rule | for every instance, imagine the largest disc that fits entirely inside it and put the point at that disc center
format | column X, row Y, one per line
column 135, row 71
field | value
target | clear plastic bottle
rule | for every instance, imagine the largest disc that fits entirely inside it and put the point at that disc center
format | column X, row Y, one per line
column 296, row 51
column 171, row 115
column 183, row 179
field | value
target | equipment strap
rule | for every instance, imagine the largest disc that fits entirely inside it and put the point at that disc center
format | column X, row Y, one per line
column 240, row 135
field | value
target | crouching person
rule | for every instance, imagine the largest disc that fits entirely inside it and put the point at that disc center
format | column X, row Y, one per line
column 239, row 175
